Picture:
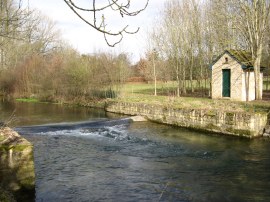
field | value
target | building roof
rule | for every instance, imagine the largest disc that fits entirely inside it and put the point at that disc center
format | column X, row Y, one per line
column 241, row 56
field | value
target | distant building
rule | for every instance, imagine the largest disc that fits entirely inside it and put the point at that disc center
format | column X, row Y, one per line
column 233, row 76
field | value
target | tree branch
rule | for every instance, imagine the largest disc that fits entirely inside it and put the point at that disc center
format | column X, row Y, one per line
column 122, row 8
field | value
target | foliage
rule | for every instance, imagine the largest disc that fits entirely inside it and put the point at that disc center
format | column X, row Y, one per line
column 64, row 75
column 35, row 62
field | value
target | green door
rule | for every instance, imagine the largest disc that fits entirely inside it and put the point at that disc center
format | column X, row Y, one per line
column 226, row 86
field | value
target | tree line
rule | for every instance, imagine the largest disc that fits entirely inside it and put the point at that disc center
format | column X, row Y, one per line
column 36, row 62
column 190, row 34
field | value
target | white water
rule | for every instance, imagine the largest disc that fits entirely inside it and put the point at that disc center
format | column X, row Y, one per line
column 117, row 132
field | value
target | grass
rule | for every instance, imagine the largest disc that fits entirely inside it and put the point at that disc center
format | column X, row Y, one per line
column 168, row 88
column 197, row 103
column 144, row 88
column 266, row 84
column 33, row 100
column 143, row 93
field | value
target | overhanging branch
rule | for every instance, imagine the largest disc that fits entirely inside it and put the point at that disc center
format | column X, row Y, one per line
column 115, row 5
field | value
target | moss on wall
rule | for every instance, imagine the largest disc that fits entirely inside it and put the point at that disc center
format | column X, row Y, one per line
column 17, row 174
column 226, row 122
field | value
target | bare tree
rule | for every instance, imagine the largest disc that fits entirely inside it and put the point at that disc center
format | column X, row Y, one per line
column 179, row 38
column 12, row 17
column 98, row 20
column 41, row 32
column 252, row 19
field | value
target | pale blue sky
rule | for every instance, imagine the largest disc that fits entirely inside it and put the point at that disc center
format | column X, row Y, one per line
column 86, row 40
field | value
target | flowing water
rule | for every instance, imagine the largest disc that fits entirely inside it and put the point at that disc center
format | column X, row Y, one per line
column 85, row 154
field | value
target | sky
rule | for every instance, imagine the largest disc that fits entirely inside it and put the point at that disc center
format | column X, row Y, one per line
column 87, row 41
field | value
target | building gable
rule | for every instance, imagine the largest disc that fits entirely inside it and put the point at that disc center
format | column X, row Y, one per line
column 227, row 61
column 244, row 58
column 230, row 78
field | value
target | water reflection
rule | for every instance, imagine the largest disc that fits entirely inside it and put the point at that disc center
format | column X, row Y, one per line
column 41, row 113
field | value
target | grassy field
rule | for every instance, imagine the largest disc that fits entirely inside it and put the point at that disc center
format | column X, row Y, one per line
column 198, row 103
column 27, row 100
column 266, row 83
column 168, row 88
column 143, row 93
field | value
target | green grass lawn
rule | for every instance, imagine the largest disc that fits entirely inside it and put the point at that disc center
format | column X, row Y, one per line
column 27, row 100
column 168, row 88
column 266, row 83
column 31, row 100
column 143, row 93
column 198, row 103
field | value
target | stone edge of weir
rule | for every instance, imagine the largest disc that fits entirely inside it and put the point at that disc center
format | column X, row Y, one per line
column 16, row 157
column 241, row 124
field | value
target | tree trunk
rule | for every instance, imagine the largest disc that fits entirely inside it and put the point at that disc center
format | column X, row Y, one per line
column 155, row 75
column 191, row 74
column 257, row 74
column 178, row 82
column 184, row 90
column 267, row 82
column 247, row 79
column 178, row 77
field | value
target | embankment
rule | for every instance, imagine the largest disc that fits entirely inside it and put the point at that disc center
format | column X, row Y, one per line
column 17, row 177
column 244, row 124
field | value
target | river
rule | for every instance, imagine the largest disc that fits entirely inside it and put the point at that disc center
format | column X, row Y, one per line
column 83, row 154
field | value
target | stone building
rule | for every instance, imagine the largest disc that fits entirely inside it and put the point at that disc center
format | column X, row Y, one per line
column 233, row 76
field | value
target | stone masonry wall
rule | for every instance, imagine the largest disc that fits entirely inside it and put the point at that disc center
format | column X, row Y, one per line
column 17, row 175
column 232, row 123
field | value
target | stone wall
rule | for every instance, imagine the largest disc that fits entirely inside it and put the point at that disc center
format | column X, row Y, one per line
column 232, row 123
column 17, row 176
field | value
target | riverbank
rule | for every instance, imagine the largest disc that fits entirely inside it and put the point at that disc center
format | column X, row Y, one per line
column 245, row 119
column 17, row 177
column 243, row 124
column 70, row 164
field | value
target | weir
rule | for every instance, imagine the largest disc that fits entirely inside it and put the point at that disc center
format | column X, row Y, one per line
column 242, row 124
column 72, row 126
